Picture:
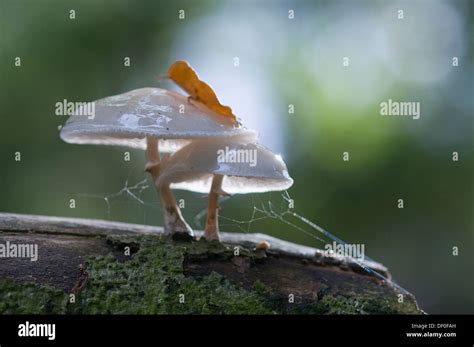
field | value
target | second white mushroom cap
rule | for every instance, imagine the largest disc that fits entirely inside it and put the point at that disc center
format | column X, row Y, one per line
column 192, row 167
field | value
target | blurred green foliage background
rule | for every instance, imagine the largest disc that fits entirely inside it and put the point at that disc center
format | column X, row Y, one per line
column 281, row 61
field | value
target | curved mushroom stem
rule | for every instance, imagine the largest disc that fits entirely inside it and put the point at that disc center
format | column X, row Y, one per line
column 212, row 222
column 173, row 220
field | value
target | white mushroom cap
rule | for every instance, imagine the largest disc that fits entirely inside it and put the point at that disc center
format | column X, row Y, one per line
column 127, row 119
column 192, row 168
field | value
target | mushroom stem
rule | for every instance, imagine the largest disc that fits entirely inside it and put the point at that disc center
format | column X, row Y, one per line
column 152, row 152
column 173, row 219
column 153, row 156
column 212, row 222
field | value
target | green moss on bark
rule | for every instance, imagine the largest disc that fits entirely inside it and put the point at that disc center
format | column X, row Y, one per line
column 30, row 299
column 153, row 282
column 153, row 279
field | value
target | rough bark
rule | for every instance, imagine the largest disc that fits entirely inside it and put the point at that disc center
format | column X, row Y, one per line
column 127, row 268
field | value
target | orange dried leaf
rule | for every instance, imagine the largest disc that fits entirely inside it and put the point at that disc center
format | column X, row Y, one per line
column 185, row 77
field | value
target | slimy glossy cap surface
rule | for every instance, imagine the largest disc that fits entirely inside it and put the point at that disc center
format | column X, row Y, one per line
column 127, row 119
